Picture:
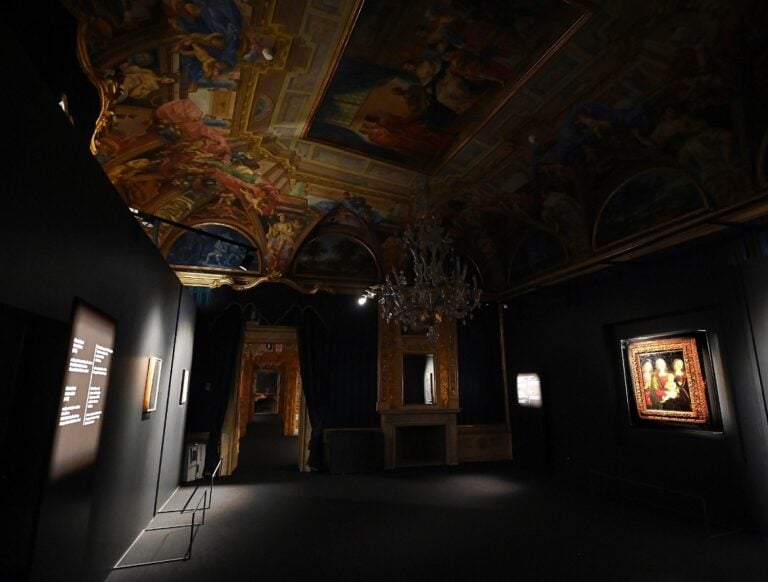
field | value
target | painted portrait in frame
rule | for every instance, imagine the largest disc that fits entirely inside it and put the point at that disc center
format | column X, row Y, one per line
column 667, row 379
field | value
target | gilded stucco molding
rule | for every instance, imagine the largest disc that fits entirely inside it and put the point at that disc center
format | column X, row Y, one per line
column 196, row 279
column 277, row 277
column 393, row 343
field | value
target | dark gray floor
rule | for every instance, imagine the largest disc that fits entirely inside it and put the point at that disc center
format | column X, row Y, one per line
column 473, row 522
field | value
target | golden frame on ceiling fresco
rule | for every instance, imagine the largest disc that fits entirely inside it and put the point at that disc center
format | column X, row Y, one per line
column 278, row 278
column 107, row 89
column 255, row 70
column 588, row 9
column 214, row 281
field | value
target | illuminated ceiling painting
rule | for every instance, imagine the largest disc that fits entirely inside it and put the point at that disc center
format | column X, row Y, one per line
column 555, row 134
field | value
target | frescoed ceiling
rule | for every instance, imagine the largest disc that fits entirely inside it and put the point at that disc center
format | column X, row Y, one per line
column 554, row 135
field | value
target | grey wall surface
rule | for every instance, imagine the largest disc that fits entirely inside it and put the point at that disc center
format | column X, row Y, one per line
column 67, row 234
column 173, row 441
column 753, row 401
column 570, row 335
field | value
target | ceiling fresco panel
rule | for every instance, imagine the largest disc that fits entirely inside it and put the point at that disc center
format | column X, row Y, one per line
column 418, row 79
column 564, row 126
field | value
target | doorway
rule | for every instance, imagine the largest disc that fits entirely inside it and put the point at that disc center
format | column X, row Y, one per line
column 268, row 392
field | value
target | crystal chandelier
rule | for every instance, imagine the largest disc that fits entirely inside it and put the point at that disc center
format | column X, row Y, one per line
column 437, row 288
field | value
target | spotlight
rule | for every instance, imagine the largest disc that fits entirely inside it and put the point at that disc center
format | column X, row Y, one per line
column 362, row 300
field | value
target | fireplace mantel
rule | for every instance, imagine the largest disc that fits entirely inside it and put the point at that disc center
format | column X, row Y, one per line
column 424, row 433
column 419, row 436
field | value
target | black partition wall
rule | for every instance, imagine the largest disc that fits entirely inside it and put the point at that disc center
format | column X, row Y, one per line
column 68, row 235
column 587, row 431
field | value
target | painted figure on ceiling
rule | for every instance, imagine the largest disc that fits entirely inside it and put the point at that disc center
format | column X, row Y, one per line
column 184, row 120
column 474, row 69
column 357, row 205
column 139, row 82
column 138, row 180
column 280, row 242
column 195, row 157
column 426, row 68
column 589, row 127
column 225, row 204
column 209, row 36
column 243, row 181
column 701, row 148
column 405, row 135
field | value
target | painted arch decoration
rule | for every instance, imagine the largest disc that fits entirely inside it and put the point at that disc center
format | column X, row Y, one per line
column 336, row 256
column 649, row 200
column 226, row 250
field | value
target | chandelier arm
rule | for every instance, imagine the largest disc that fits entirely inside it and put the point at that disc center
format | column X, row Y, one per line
column 439, row 288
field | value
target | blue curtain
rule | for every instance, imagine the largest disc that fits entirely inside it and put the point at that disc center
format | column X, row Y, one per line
column 481, row 384
column 338, row 345
column 217, row 345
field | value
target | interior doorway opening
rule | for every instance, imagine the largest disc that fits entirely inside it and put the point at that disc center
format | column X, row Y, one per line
column 268, row 391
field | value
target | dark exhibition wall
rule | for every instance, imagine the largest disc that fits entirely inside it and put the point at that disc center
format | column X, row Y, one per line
column 68, row 235
column 586, row 431
column 176, row 410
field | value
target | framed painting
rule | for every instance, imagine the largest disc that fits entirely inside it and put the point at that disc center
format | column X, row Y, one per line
column 152, row 386
column 266, row 386
column 667, row 379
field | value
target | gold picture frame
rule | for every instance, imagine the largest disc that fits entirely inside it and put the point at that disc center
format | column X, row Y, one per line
column 666, row 379
column 152, row 386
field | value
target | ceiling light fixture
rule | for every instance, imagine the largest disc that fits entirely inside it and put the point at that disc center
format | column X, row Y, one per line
column 437, row 287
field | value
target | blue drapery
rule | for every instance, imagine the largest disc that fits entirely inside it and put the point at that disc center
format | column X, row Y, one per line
column 338, row 345
column 481, row 384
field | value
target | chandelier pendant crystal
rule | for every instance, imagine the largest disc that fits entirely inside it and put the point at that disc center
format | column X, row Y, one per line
column 437, row 289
